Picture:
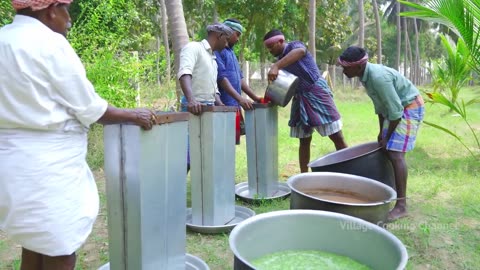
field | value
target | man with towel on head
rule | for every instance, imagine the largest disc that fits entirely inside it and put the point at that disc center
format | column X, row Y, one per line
column 198, row 71
column 313, row 107
column 48, row 197
column 400, row 111
column 230, row 78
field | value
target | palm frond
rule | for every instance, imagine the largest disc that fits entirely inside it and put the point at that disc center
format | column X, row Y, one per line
column 443, row 129
column 442, row 99
column 452, row 134
column 472, row 101
column 461, row 16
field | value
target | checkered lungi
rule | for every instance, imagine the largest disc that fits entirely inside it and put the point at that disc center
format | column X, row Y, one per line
column 405, row 134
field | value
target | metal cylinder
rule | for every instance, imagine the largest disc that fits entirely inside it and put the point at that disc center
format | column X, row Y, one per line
column 261, row 129
column 212, row 154
column 146, row 194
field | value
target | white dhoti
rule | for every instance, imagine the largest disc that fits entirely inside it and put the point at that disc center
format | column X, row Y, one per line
column 48, row 197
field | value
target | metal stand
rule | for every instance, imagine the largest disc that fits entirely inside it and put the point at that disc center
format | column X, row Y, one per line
column 261, row 127
column 146, row 194
column 212, row 153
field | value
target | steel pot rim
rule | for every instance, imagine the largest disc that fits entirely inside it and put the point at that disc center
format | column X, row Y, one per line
column 391, row 191
column 320, row 213
column 310, row 164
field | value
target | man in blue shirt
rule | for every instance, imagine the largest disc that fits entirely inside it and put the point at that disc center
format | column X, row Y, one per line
column 230, row 78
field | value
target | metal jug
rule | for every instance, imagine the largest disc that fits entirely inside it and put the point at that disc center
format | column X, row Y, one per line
column 281, row 90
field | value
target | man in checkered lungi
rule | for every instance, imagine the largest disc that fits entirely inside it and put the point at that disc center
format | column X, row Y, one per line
column 400, row 110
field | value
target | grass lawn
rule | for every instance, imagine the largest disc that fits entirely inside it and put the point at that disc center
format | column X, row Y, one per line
column 442, row 230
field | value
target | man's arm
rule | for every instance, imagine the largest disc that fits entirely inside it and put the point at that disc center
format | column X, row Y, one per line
column 246, row 88
column 227, row 86
column 218, row 101
column 292, row 57
column 391, row 128
column 193, row 105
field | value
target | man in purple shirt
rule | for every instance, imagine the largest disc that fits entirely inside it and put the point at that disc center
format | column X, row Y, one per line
column 312, row 106
column 230, row 78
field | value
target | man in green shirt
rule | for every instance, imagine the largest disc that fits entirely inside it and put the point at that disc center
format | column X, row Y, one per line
column 400, row 111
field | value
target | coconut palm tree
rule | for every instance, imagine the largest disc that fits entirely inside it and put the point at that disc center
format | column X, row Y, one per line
column 164, row 24
column 178, row 33
column 461, row 16
column 312, row 12
column 378, row 31
column 452, row 72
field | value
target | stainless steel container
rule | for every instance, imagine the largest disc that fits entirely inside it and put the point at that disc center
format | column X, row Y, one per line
column 379, row 195
column 281, row 90
column 316, row 230
column 367, row 160
column 212, row 153
column 146, row 194
column 261, row 127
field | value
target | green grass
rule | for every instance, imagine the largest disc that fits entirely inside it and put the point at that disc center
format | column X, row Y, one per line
column 441, row 232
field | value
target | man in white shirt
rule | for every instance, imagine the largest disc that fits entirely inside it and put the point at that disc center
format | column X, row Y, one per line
column 198, row 69
column 48, row 197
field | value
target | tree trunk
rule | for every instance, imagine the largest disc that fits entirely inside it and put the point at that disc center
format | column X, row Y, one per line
column 417, row 53
column 399, row 37
column 405, row 56
column 164, row 19
column 410, row 59
column 215, row 13
column 361, row 24
column 262, row 65
column 157, row 60
column 178, row 32
column 311, row 32
column 361, row 33
column 379, row 31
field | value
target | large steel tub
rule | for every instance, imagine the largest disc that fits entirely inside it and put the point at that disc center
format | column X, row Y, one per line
column 316, row 230
column 366, row 160
column 374, row 210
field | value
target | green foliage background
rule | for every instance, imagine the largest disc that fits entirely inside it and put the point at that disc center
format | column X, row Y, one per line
column 117, row 43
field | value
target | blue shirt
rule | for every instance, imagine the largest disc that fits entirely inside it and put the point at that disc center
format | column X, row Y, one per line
column 389, row 90
column 229, row 68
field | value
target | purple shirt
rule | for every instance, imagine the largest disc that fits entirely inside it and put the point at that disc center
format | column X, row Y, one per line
column 306, row 68
column 313, row 103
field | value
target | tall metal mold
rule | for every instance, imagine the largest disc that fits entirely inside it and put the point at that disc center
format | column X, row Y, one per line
column 146, row 194
column 212, row 153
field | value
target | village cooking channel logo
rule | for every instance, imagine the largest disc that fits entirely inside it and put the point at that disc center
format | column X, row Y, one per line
column 423, row 226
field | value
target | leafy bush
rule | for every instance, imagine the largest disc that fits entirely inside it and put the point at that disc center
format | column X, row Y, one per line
column 6, row 12
column 106, row 34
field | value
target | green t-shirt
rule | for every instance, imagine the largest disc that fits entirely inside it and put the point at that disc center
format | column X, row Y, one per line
column 389, row 90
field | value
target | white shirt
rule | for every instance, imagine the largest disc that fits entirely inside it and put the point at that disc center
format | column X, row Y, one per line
column 43, row 84
column 48, row 197
column 197, row 59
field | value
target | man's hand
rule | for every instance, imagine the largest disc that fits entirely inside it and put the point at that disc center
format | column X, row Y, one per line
column 246, row 104
column 258, row 99
column 382, row 142
column 194, row 107
column 273, row 73
column 145, row 118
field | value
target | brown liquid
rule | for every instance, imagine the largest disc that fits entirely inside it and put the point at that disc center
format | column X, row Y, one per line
column 338, row 196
